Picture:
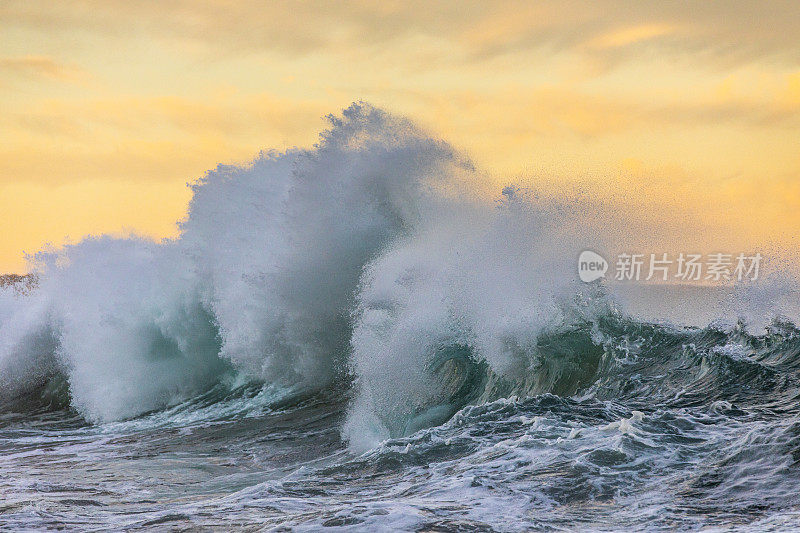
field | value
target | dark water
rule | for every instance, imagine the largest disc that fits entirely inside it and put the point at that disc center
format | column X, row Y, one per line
column 645, row 427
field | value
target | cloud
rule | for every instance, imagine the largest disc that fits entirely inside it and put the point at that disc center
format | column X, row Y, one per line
column 565, row 88
column 92, row 120
column 630, row 35
column 38, row 66
column 736, row 30
column 156, row 138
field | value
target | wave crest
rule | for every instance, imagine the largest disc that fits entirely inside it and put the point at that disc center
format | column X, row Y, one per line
column 364, row 260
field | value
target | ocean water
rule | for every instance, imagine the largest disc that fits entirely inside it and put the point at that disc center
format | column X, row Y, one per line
column 350, row 338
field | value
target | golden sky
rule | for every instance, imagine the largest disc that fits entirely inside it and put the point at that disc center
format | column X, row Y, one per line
column 108, row 108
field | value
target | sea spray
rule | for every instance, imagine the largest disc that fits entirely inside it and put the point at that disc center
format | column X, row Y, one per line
column 366, row 257
column 490, row 279
column 261, row 281
column 281, row 243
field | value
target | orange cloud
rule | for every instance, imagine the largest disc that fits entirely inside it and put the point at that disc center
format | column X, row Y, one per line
column 38, row 66
column 631, row 35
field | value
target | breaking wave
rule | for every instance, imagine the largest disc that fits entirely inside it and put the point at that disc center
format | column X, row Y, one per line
column 365, row 264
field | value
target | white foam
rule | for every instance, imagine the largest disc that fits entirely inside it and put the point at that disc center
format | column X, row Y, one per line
column 369, row 249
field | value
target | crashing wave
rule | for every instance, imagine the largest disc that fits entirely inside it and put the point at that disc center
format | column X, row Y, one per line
column 365, row 260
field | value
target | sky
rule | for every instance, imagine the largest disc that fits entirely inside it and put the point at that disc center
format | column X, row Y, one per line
column 679, row 109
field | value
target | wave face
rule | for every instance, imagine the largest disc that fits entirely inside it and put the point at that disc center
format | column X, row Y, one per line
column 360, row 298
column 479, row 282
